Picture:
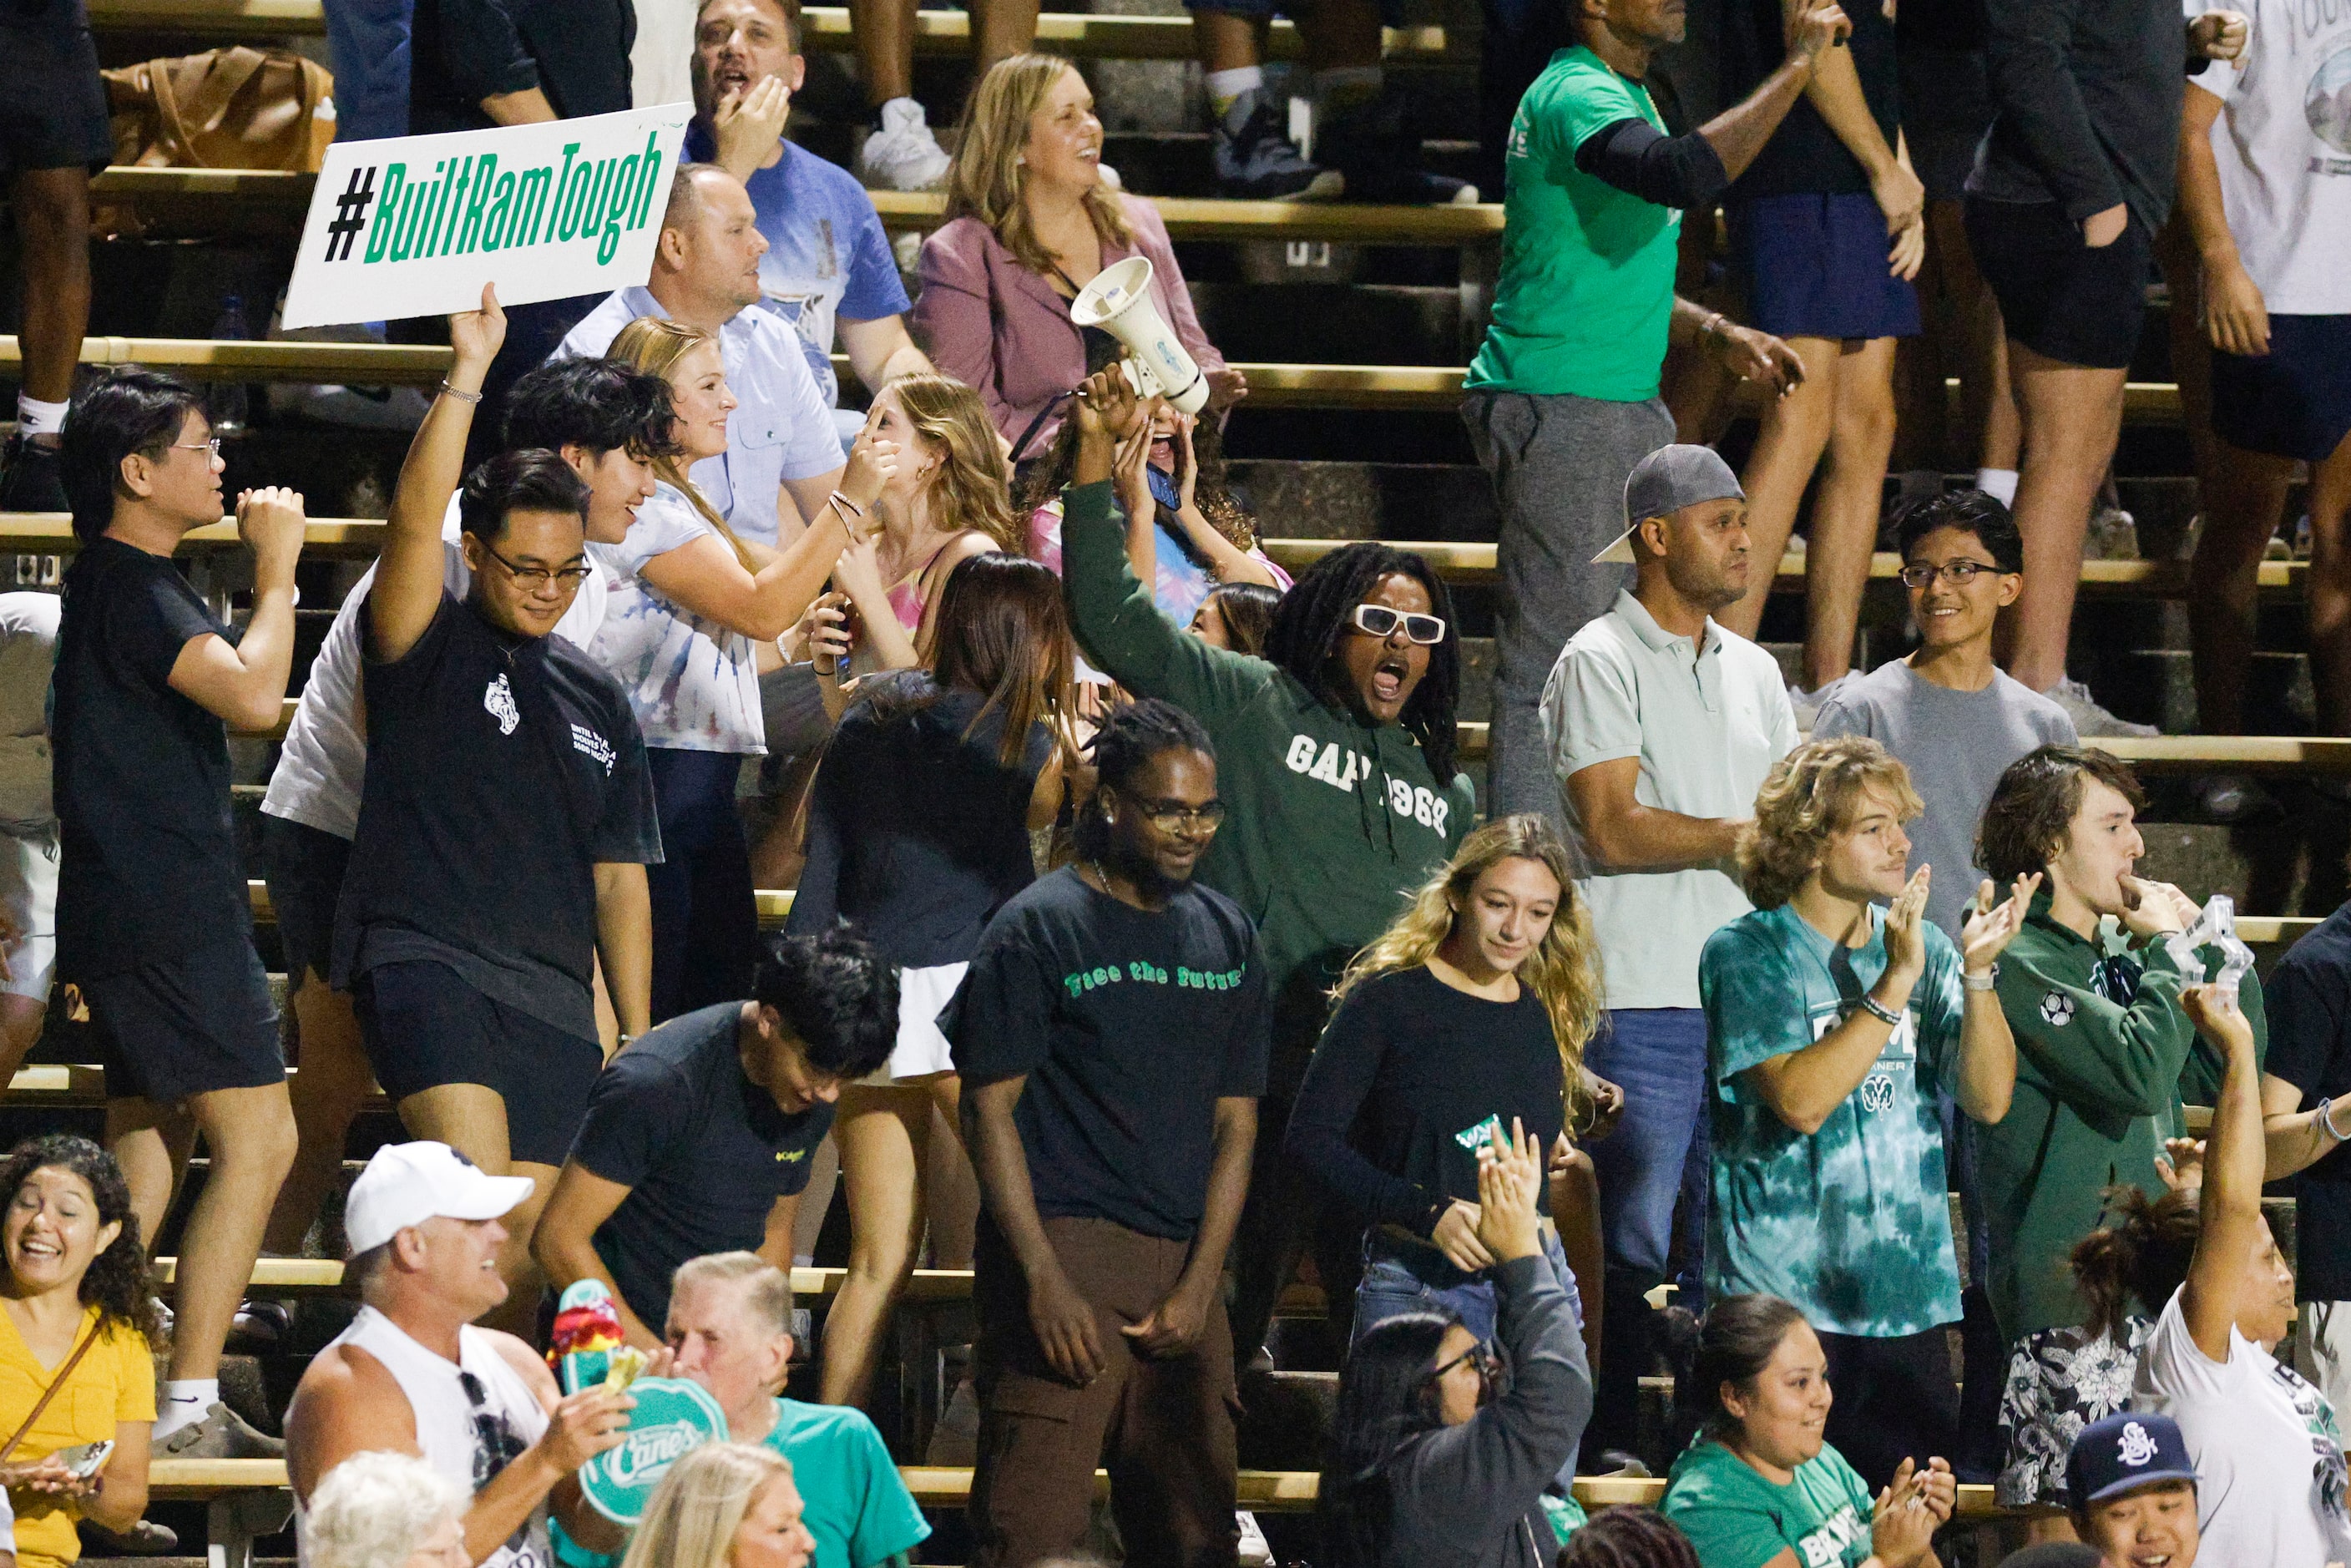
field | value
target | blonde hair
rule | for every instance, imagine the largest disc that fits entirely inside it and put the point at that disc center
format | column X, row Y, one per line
column 1809, row 796
column 988, row 181
column 375, row 1509
column 972, row 490
column 691, row 1519
column 653, row 345
column 768, row 1289
column 1563, row 971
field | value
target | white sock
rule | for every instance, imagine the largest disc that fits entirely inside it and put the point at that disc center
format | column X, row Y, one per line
column 1224, row 87
column 2000, row 484
column 183, row 1403
column 35, row 417
column 1349, row 83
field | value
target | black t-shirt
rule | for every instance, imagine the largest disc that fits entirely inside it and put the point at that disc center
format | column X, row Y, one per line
column 917, row 831
column 1130, row 1026
column 2309, row 1004
column 151, row 867
column 1956, row 24
column 1394, row 1104
column 704, row 1151
column 501, row 771
column 463, row 51
column 1804, row 155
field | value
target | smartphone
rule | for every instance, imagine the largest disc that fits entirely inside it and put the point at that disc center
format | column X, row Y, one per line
column 84, row 1459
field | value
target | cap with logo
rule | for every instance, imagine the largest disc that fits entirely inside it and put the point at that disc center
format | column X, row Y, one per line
column 2125, row 1451
column 408, row 1184
column 1665, row 482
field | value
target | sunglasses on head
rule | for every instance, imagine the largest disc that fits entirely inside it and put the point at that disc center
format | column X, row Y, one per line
column 1379, row 621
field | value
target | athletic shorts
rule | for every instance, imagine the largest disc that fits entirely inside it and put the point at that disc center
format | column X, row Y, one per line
column 2058, row 296
column 28, row 896
column 1816, row 266
column 2295, row 399
column 922, row 1051
column 303, row 867
column 423, row 1026
column 187, row 1026
column 52, row 100
column 1946, row 110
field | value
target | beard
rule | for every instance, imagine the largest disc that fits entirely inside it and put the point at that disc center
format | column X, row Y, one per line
column 1143, row 872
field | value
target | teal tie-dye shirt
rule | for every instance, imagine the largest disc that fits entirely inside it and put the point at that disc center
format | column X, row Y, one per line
column 1851, row 1223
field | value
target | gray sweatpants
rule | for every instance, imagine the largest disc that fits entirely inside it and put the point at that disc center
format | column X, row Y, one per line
column 1559, row 464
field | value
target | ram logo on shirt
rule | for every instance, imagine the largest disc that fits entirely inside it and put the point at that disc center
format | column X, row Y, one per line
column 1343, row 769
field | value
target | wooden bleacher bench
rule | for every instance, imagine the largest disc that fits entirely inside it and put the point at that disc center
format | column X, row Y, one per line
column 826, row 29
column 324, row 1277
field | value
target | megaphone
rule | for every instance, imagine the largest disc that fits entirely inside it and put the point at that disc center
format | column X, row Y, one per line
column 1119, row 301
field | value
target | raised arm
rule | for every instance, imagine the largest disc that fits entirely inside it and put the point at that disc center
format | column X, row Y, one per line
column 243, row 684
column 1985, row 1081
column 407, row 591
column 2229, row 1215
column 1803, row 1088
column 1738, row 133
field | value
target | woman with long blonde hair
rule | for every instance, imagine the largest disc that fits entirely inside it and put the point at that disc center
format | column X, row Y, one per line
column 1030, row 221
column 1470, row 1010
column 693, row 615
column 723, row 1505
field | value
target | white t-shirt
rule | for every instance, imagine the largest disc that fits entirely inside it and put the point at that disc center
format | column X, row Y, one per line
column 2266, row 1449
column 692, row 684
column 324, row 761
column 1707, row 725
column 2283, row 145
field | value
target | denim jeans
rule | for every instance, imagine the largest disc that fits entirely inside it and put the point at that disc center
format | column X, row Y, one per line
column 1659, row 1153
column 1400, row 1278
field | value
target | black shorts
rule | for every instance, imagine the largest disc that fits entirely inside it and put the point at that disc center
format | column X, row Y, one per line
column 423, row 1026
column 2295, row 399
column 303, row 867
column 2058, row 296
column 1896, row 1399
column 187, row 1026
column 52, row 100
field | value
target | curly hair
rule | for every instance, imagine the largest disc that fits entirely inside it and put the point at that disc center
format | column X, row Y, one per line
column 1563, row 970
column 1313, row 615
column 988, row 180
column 116, row 1281
column 1628, row 1536
column 1811, row 794
column 2142, row 1257
column 2032, row 807
column 375, row 1509
column 1212, row 489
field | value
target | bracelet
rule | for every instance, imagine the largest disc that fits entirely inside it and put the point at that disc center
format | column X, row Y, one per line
column 1991, row 980
column 2327, row 1118
column 460, row 396
column 1879, row 1010
column 852, row 508
column 1707, row 328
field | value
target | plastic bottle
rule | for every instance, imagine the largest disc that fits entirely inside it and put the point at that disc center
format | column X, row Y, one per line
column 228, row 404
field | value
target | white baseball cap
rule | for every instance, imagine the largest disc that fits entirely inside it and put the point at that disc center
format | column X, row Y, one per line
column 408, row 1184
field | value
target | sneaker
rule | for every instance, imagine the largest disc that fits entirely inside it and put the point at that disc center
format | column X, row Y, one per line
column 2092, row 721
column 1376, row 148
column 1256, row 1552
column 32, row 479
column 2113, row 536
column 223, row 1434
column 145, row 1538
column 259, row 1326
column 1255, row 161
column 903, row 156
column 2228, row 798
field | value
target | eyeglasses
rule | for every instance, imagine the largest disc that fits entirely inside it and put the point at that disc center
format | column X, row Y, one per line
column 1958, row 574
column 1379, row 621
column 1489, row 1366
column 212, row 447
column 537, row 577
column 1174, row 816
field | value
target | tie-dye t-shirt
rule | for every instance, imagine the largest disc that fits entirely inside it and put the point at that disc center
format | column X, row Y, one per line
column 1851, row 1223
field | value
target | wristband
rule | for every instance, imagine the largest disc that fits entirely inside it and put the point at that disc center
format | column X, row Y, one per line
column 2327, row 1118
column 1991, row 980
column 1879, row 1010
column 460, row 396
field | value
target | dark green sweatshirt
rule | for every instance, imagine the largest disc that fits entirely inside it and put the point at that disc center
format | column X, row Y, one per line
column 2099, row 1067
column 1331, row 821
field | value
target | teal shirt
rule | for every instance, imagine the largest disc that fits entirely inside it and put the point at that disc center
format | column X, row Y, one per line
column 1587, row 287
column 1738, row 1519
column 1851, row 1223
column 855, row 1505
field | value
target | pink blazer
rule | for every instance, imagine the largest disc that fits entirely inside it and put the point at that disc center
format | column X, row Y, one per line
column 991, row 323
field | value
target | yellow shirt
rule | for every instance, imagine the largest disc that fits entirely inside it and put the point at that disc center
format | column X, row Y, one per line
column 115, row 1382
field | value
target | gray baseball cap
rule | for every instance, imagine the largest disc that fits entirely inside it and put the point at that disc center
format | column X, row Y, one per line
column 1666, row 481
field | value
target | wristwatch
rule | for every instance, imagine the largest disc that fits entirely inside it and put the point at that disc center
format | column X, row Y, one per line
column 1989, row 981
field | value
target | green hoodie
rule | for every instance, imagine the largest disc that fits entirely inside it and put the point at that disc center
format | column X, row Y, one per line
column 1331, row 821
column 2100, row 1063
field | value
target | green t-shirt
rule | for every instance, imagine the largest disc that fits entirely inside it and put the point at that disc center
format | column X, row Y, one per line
column 1737, row 1518
column 1851, row 1223
column 1586, row 289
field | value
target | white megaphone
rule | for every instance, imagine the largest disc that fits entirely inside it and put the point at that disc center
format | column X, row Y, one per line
column 1119, row 301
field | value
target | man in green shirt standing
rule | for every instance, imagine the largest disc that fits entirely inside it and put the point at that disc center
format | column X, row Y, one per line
column 1561, row 401
column 2102, row 1042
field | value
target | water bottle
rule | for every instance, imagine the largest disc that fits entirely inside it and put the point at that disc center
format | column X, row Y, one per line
column 228, row 404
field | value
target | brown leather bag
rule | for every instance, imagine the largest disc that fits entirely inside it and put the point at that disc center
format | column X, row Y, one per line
column 224, row 108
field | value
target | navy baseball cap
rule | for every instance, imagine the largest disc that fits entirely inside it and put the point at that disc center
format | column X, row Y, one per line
column 2124, row 1452
column 1665, row 482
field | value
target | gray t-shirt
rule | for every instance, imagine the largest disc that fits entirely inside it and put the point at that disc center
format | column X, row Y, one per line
column 1956, row 744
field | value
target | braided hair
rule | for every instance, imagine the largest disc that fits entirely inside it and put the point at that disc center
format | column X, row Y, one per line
column 1314, row 613
column 1124, row 747
column 1628, row 1537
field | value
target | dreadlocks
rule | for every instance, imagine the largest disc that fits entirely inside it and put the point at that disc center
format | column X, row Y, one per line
column 1128, row 739
column 1314, row 613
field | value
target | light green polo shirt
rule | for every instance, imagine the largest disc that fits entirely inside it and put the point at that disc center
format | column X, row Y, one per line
column 1708, row 723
